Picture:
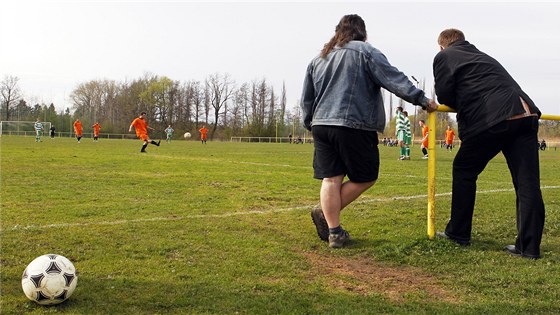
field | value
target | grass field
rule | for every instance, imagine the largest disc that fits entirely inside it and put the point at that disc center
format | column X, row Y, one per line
column 224, row 228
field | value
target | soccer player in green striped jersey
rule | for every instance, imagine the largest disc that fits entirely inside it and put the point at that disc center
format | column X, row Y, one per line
column 38, row 130
column 408, row 138
column 400, row 132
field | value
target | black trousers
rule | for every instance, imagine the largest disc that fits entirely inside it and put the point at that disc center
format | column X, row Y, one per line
column 517, row 140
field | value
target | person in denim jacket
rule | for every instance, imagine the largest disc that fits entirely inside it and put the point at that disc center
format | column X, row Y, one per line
column 343, row 107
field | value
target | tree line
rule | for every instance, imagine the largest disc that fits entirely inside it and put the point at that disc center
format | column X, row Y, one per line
column 250, row 109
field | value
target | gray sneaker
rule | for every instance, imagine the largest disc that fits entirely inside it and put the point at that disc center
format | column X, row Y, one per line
column 320, row 222
column 338, row 240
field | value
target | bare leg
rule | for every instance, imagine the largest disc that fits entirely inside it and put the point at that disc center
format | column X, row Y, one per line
column 336, row 195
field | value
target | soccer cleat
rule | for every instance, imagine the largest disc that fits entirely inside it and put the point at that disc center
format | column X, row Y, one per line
column 158, row 143
column 320, row 222
column 425, row 157
column 338, row 240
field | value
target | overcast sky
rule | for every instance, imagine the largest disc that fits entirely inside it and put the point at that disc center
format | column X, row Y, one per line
column 53, row 46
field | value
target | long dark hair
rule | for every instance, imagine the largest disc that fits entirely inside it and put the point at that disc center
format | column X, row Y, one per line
column 350, row 27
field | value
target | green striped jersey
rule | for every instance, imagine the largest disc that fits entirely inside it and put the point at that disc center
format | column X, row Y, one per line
column 407, row 126
column 400, row 121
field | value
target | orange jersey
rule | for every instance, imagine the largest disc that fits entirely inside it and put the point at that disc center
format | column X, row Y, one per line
column 203, row 131
column 424, row 135
column 78, row 128
column 449, row 136
column 141, row 127
column 96, row 128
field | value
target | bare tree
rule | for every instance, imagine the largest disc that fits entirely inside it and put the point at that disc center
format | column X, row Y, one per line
column 271, row 110
column 242, row 99
column 238, row 110
column 263, row 106
column 283, row 104
column 184, row 107
column 206, row 102
column 10, row 92
column 196, row 96
column 109, row 110
column 221, row 89
column 86, row 100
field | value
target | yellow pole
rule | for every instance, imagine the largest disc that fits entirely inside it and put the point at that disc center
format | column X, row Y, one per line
column 550, row 117
column 445, row 108
column 432, row 174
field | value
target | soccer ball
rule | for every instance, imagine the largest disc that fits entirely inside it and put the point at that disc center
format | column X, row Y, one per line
column 187, row 135
column 49, row 279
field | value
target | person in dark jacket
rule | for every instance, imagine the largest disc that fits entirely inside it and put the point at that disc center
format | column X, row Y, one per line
column 494, row 115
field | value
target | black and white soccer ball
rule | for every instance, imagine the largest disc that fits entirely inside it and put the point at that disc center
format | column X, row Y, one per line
column 49, row 279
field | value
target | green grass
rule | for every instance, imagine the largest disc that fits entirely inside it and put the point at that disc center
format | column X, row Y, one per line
column 224, row 228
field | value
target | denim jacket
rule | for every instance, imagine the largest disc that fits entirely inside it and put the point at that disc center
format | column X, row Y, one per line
column 344, row 88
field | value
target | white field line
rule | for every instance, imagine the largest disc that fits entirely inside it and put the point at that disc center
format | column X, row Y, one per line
column 242, row 213
column 262, row 164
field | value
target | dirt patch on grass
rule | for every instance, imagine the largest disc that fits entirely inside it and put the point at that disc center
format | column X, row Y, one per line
column 365, row 276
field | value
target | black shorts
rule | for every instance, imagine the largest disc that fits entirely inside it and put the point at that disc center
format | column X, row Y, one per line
column 345, row 151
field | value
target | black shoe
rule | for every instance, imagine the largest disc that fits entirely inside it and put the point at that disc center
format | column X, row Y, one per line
column 158, row 143
column 445, row 236
column 320, row 222
column 512, row 250
column 143, row 151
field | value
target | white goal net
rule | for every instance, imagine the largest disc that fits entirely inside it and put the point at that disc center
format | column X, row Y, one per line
column 22, row 128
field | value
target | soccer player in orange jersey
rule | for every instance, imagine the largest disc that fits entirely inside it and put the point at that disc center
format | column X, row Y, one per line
column 424, row 145
column 449, row 136
column 96, row 128
column 78, row 128
column 141, row 127
column 203, row 131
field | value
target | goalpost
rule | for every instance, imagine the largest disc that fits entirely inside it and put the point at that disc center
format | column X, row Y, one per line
column 22, row 127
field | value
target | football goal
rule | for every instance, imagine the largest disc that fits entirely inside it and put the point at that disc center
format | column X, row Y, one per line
column 22, row 128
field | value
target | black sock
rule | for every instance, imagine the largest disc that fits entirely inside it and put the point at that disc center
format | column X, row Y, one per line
column 144, row 148
column 424, row 151
column 336, row 230
column 153, row 142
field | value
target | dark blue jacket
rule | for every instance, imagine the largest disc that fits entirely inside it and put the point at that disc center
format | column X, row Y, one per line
column 478, row 87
